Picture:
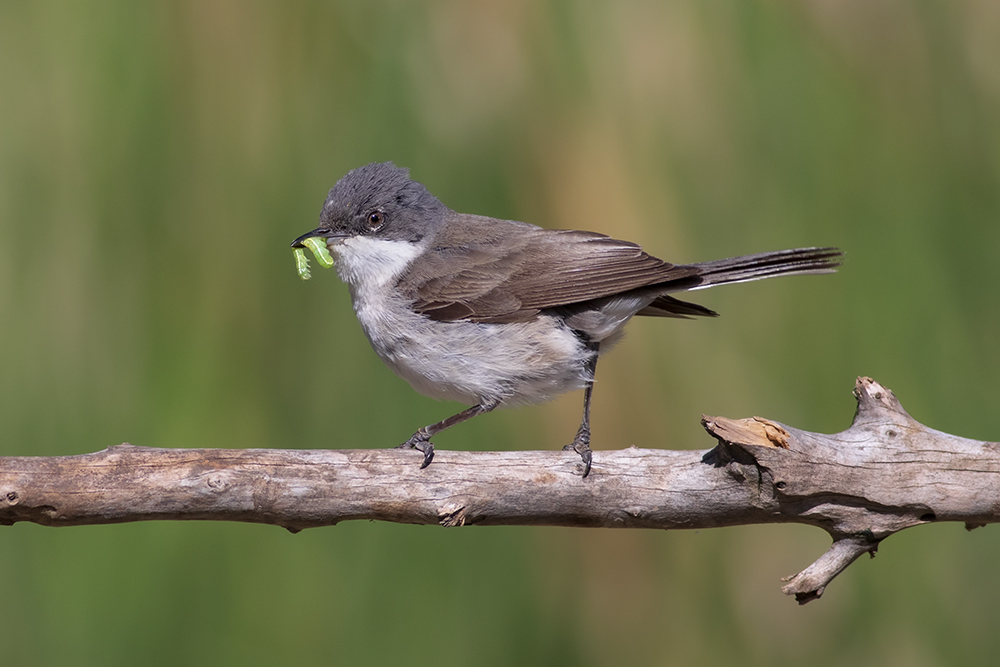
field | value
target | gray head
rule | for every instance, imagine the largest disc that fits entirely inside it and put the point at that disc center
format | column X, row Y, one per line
column 381, row 201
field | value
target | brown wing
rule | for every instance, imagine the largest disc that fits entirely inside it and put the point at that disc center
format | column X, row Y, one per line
column 489, row 270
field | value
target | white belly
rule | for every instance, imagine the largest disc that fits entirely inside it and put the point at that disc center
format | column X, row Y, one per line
column 517, row 364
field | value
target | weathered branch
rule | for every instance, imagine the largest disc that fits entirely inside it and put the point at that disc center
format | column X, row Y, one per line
column 885, row 473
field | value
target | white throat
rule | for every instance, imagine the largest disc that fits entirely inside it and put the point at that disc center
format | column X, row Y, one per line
column 368, row 264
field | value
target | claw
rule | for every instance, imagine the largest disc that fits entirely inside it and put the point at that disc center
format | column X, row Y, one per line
column 421, row 444
column 581, row 445
column 428, row 449
column 588, row 456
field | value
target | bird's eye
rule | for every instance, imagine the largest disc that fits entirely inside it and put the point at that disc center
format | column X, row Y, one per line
column 375, row 219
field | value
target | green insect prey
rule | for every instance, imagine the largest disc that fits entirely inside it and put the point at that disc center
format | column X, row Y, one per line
column 322, row 255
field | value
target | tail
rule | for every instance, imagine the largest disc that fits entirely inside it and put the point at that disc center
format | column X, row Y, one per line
column 800, row 261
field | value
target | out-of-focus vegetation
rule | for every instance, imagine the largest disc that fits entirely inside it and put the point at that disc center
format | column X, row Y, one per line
column 157, row 158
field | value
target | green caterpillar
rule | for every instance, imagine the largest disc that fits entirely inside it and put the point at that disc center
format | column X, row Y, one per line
column 322, row 255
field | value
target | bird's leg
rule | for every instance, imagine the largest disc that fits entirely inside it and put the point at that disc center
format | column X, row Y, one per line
column 421, row 440
column 581, row 443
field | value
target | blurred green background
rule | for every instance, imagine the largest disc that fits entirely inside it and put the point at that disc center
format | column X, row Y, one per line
column 157, row 158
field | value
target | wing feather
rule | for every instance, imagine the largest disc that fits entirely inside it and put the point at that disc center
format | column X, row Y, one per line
column 506, row 271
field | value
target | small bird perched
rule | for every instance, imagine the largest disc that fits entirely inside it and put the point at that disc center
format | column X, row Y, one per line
column 492, row 312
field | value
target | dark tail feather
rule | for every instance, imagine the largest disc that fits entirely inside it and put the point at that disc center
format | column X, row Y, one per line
column 668, row 306
column 738, row 270
column 799, row 261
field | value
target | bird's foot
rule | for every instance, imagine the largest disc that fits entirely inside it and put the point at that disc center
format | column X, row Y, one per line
column 581, row 445
column 422, row 443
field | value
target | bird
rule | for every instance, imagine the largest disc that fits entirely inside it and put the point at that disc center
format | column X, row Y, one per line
column 490, row 312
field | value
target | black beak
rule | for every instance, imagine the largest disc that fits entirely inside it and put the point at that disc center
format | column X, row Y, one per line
column 319, row 231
